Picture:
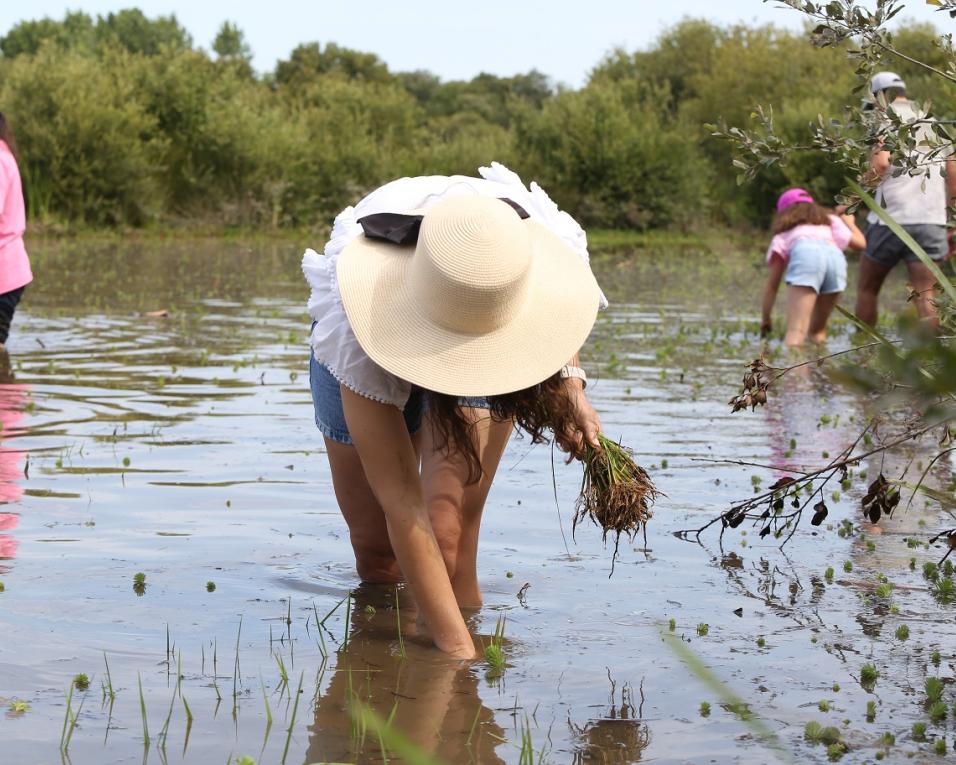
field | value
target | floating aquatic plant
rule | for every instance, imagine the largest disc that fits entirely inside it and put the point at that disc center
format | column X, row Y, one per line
column 919, row 731
column 943, row 590
column 139, row 583
column 494, row 651
column 81, row 681
column 616, row 492
column 934, row 689
column 868, row 674
column 705, row 709
column 210, row 586
column 937, row 712
column 836, row 751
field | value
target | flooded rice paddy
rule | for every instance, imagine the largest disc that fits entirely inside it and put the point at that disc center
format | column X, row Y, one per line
column 182, row 448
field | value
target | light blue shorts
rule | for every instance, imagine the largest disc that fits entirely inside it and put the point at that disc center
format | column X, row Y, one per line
column 330, row 417
column 816, row 264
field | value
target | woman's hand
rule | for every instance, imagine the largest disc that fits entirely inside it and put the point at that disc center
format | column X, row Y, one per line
column 587, row 422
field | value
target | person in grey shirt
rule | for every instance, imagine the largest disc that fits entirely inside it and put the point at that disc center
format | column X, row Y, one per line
column 919, row 203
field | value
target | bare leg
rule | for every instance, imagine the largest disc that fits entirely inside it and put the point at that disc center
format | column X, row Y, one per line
column 924, row 283
column 800, row 303
column 455, row 507
column 374, row 558
column 821, row 314
column 872, row 276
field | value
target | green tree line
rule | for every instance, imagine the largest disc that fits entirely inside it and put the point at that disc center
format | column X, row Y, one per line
column 122, row 120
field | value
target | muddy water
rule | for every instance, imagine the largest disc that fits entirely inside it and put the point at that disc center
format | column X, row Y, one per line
column 183, row 448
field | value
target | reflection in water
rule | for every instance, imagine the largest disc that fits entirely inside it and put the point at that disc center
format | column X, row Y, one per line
column 793, row 415
column 432, row 700
column 619, row 736
column 12, row 400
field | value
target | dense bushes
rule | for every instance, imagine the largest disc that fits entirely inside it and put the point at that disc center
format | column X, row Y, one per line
column 122, row 121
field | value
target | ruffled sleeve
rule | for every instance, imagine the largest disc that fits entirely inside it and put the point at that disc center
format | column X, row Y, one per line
column 333, row 343
column 543, row 209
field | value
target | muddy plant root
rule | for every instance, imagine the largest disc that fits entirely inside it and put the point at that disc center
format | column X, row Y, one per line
column 616, row 493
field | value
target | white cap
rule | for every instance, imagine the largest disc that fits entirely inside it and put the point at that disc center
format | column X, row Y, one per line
column 884, row 80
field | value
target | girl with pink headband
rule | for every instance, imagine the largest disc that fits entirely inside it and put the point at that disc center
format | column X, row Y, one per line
column 807, row 252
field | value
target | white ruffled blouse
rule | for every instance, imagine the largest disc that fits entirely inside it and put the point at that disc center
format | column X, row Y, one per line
column 333, row 342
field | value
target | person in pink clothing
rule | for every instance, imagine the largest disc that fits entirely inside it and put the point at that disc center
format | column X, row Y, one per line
column 15, row 271
column 807, row 252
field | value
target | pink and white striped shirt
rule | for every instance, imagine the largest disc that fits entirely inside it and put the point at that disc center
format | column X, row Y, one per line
column 14, row 263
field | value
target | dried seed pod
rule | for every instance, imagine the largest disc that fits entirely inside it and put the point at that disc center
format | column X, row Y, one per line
column 779, row 484
column 819, row 513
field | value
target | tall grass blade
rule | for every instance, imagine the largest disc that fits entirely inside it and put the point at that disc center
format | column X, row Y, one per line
column 109, row 679
column 398, row 620
column 66, row 717
column 142, row 709
column 702, row 672
column 295, row 709
column 396, row 743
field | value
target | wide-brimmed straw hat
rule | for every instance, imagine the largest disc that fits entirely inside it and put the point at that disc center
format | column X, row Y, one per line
column 486, row 302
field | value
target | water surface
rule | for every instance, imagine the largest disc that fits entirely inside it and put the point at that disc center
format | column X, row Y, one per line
column 183, row 447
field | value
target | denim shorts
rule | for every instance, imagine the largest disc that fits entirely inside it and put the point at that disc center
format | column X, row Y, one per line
column 330, row 418
column 886, row 248
column 817, row 264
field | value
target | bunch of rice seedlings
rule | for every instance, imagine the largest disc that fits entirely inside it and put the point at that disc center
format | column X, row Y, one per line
column 616, row 492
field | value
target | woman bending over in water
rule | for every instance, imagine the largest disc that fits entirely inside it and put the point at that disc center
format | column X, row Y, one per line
column 446, row 310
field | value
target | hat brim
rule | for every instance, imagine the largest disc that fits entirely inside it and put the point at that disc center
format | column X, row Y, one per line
column 396, row 332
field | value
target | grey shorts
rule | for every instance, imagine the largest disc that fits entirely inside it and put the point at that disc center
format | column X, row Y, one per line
column 886, row 248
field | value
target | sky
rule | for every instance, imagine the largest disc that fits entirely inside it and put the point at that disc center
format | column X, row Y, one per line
column 562, row 38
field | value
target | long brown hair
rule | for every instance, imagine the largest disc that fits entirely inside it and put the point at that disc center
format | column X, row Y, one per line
column 801, row 213
column 6, row 134
column 535, row 410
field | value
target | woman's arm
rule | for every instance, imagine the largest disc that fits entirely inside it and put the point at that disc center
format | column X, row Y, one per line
column 392, row 469
column 777, row 266
column 587, row 420
column 857, row 240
